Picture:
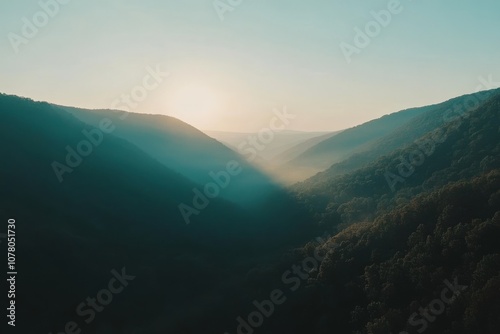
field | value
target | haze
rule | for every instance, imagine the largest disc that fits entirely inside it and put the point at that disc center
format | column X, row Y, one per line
column 228, row 75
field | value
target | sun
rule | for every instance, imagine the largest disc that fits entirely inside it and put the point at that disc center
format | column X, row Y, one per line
column 194, row 104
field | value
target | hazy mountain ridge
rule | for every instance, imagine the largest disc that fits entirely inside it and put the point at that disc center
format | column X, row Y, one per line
column 441, row 166
column 362, row 144
column 283, row 141
column 408, row 134
column 324, row 154
column 300, row 148
column 118, row 208
column 185, row 149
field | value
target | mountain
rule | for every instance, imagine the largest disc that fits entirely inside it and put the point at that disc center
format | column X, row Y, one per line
column 409, row 133
column 116, row 209
column 415, row 246
column 462, row 147
column 341, row 146
column 364, row 143
column 413, row 230
column 188, row 151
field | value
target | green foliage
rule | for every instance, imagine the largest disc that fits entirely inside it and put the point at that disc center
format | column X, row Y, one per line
column 442, row 223
column 472, row 146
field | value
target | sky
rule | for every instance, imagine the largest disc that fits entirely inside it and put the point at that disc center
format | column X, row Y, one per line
column 232, row 63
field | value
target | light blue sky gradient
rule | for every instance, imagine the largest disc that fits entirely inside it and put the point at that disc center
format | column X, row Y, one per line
column 265, row 54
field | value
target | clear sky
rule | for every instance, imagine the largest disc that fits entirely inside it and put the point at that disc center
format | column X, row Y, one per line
column 229, row 74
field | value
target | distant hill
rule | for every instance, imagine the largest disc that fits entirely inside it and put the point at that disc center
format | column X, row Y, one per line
column 282, row 142
column 300, row 148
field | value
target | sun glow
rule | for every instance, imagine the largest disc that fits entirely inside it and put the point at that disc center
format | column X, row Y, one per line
column 194, row 104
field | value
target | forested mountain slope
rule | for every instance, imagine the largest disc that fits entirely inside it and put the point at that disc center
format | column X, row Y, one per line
column 355, row 147
column 409, row 133
column 424, row 257
column 117, row 208
column 463, row 148
column 186, row 150
column 431, row 265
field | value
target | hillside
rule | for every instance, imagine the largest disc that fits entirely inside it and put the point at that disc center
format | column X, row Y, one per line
column 117, row 208
column 439, row 252
column 409, row 134
column 186, row 150
column 360, row 145
column 393, row 253
column 462, row 148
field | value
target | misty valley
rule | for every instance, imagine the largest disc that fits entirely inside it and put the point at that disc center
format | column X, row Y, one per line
column 217, row 244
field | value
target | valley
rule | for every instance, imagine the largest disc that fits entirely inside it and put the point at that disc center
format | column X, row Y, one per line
column 387, row 210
